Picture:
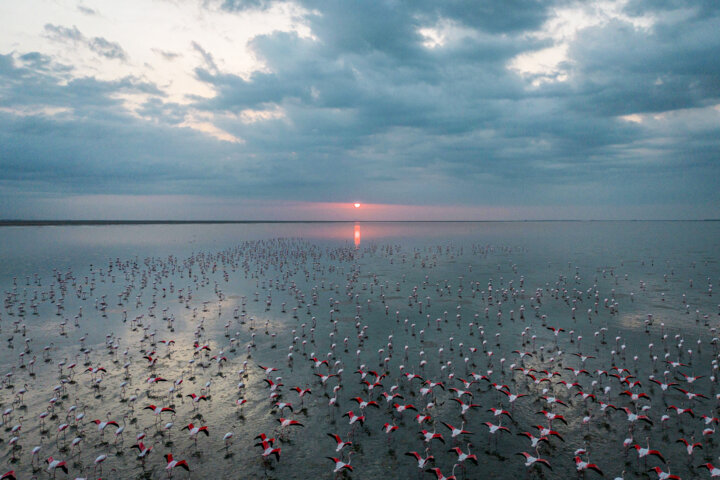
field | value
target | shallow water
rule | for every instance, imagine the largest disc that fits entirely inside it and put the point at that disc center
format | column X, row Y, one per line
column 357, row 271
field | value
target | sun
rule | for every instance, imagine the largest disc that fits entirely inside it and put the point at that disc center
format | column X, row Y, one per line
column 356, row 205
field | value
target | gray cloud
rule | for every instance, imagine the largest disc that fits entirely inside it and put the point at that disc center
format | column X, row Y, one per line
column 86, row 10
column 106, row 48
column 370, row 112
column 169, row 56
column 99, row 45
column 206, row 56
column 63, row 34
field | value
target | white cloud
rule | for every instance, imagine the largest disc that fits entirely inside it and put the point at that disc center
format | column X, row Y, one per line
column 204, row 122
column 552, row 64
column 163, row 27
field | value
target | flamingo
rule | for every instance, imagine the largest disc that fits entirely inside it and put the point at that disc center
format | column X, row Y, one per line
column 531, row 460
column 362, row 404
column 287, row 422
column 644, row 452
column 582, row 466
column 455, row 432
column 268, row 370
column 544, row 432
column 401, row 408
column 690, row 446
column 440, row 475
column 421, row 462
column 499, row 411
column 340, row 465
column 143, row 451
column 665, row 475
column 227, row 439
column 102, row 425
column 158, row 410
column 390, row 397
column 193, row 431
column 53, row 465
column 99, row 461
column 663, row 386
column 690, row 395
column 680, row 411
column 714, row 471
column 301, row 393
column 340, row 444
column 493, row 429
column 268, row 449
column 464, row 407
column 534, row 441
column 633, row 417
column 552, row 416
column 171, row 464
column 462, row 456
column 272, row 385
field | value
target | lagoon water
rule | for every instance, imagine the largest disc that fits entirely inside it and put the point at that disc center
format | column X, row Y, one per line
column 440, row 300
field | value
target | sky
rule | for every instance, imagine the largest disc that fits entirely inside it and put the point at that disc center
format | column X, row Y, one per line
column 418, row 110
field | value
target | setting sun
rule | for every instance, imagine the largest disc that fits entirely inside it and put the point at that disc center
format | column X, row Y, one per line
column 357, row 205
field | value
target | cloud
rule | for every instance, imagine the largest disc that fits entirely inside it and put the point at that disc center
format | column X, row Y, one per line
column 206, row 56
column 416, row 102
column 106, row 48
column 169, row 56
column 63, row 34
column 86, row 10
column 99, row 45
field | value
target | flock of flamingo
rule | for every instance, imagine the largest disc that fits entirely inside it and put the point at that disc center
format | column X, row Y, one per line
column 374, row 362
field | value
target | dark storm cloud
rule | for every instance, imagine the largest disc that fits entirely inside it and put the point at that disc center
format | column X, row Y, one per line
column 367, row 108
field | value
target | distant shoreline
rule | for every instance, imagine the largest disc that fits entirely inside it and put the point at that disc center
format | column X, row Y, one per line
column 63, row 223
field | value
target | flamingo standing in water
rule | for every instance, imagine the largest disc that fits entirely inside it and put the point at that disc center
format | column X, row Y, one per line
column 53, row 465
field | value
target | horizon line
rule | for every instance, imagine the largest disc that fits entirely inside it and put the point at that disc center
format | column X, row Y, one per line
column 98, row 222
